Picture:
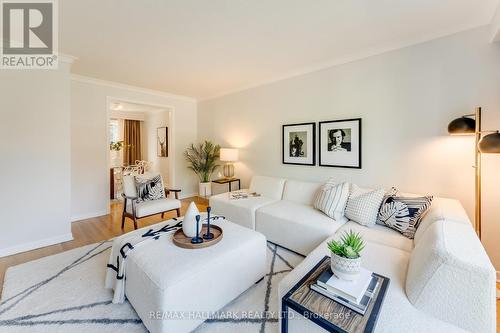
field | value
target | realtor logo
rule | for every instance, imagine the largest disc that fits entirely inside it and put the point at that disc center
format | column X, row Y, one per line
column 29, row 34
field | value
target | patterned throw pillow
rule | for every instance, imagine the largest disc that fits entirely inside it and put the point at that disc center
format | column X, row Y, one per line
column 363, row 205
column 404, row 213
column 149, row 188
column 331, row 200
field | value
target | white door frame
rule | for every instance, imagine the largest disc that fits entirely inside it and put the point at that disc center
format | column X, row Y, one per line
column 171, row 134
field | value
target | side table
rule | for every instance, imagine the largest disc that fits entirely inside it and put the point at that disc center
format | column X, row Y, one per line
column 325, row 312
column 228, row 181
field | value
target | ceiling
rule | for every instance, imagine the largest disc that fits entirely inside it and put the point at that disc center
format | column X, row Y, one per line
column 206, row 48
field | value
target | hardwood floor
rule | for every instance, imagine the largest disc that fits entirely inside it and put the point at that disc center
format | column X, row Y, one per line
column 91, row 231
column 105, row 227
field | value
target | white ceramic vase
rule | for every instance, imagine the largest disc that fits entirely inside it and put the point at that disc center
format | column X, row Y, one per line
column 189, row 222
column 345, row 268
column 205, row 189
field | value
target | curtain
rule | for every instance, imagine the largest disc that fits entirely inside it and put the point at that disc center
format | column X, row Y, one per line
column 131, row 142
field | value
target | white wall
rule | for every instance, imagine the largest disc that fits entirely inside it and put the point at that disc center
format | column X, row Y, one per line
column 160, row 164
column 35, row 158
column 406, row 99
column 89, row 146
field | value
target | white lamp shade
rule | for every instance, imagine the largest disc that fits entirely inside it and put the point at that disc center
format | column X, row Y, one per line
column 228, row 154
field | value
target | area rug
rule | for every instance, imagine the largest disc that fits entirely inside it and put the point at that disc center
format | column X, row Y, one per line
column 65, row 293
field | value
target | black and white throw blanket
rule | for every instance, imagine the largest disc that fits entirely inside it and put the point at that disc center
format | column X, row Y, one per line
column 116, row 267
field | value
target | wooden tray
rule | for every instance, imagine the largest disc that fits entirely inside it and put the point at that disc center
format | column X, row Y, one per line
column 181, row 240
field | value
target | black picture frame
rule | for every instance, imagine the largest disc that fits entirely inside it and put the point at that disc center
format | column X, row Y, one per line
column 321, row 148
column 162, row 151
column 286, row 150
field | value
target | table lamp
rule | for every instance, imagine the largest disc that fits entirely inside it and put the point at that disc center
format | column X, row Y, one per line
column 470, row 124
column 228, row 155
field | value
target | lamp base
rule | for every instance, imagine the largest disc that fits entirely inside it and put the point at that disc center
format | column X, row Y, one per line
column 228, row 170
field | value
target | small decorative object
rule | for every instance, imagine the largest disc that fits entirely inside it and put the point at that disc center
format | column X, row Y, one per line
column 116, row 145
column 208, row 235
column 197, row 239
column 162, row 141
column 228, row 155
column 299, row 144
column 340, row 143
column 189, row 226
column 202, row 159
column 346, row 257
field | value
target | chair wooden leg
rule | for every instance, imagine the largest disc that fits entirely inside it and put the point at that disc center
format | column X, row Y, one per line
column 178, row 211
column 123, row 221
column 162, row 214
column 123, row 213
column 135, row 223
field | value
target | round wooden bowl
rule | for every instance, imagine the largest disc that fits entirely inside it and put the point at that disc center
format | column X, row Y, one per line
column 181, row 240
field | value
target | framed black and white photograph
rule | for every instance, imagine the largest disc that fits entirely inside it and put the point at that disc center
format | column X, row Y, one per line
column 299, row 141
column 162, row 141
column 340, row 143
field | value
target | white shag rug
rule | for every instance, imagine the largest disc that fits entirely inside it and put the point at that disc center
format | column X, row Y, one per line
column 65, row 293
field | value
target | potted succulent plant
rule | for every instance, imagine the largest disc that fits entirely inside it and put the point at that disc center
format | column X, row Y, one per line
column 346, row 255
column 202, row 159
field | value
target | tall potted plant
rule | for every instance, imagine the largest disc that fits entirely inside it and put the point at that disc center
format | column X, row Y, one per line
column 202, row 159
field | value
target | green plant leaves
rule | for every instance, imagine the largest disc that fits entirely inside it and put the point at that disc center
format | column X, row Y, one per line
column 349, row 246
column 202, row 159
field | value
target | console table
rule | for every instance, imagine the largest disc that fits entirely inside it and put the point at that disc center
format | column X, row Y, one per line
column 228, row 181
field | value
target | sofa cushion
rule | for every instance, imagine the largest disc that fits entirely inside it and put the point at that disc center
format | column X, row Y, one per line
column 397, row 313
column 297, row 227
column 151, row 207
column 378, row 234
column 403, row 213
column 269, row 187
column 363, row 205
column 301, row 192
column 331, row 200
column 239, row 211
column 451, row 277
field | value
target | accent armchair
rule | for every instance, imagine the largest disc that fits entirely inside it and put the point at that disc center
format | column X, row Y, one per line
column 138, row 210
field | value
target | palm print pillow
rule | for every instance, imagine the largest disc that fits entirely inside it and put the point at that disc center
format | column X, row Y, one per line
column 149, row 189
column 403, row 213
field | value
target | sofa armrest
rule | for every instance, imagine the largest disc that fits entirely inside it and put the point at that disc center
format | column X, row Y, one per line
column 442, row 209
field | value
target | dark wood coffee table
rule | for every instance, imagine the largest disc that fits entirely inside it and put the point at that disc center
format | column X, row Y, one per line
column 228, row 181
column 327, row 313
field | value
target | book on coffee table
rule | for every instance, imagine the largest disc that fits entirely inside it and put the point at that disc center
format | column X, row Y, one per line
column 360, row 307
column 353, row 291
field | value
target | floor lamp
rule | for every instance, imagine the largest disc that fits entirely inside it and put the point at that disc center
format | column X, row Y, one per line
column 470, row 124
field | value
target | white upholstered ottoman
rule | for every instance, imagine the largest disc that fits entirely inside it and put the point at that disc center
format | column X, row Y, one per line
column 174, row 289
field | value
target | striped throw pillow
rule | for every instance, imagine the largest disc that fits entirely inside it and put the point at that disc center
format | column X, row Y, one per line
column 331, row 200
column 363, row 205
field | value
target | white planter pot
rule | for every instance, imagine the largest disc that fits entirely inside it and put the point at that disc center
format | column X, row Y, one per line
column 205, row 189
column 344, row 268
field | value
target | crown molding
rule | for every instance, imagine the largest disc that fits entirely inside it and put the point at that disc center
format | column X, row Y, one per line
column 364, row 54
column 112, row 84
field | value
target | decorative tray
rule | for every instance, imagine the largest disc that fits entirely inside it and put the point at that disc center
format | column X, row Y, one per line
column 181, row 240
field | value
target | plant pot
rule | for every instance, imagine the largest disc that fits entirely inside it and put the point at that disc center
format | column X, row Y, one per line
column 345, row 268
column 205, row 189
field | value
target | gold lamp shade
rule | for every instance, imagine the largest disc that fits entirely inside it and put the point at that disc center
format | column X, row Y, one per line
column 462, row 126
column 490, row 144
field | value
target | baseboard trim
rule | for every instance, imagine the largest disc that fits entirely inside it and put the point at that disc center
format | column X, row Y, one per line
column 35, row 245
column 80, row 217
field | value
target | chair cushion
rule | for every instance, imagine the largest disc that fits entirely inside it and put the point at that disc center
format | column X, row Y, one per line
column 269, row 187
column 239, row 211
column 297, row 227
column 379, row 234
column 152, row 207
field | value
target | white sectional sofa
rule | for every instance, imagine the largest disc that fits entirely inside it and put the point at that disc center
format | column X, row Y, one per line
column 441, row 281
